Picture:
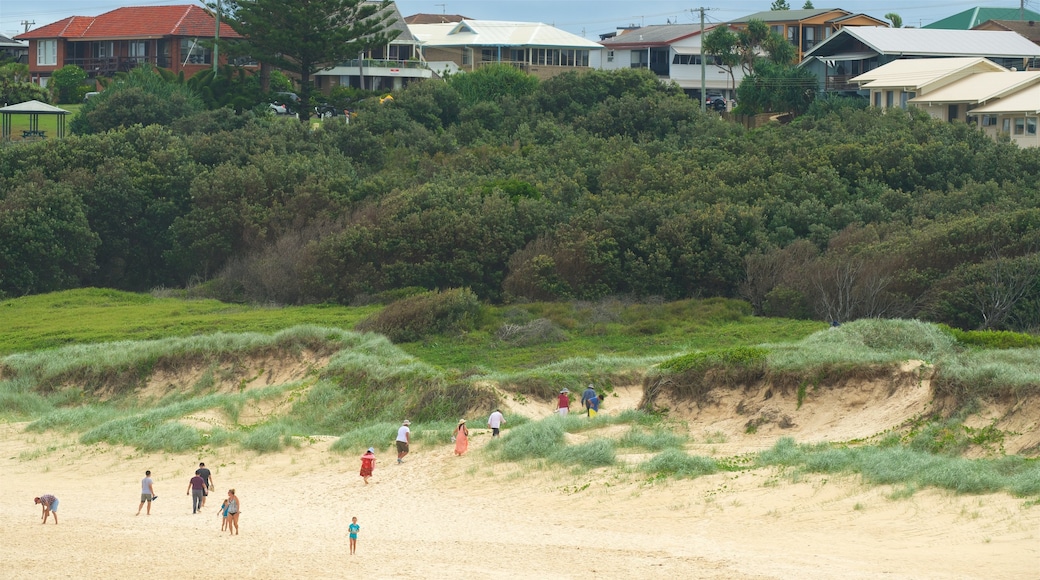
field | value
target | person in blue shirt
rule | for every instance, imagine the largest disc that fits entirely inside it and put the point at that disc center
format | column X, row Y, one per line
column 586, row 398
column 353, row 529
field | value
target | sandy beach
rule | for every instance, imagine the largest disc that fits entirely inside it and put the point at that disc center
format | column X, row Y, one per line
column 440, row 516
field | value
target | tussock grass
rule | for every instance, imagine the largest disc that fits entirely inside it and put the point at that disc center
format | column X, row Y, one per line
column 658, row 439
column 595, row 453
column 909, row 467
column 678, row 463
column 1014, row 372
column 534, row 440
column 377, row 435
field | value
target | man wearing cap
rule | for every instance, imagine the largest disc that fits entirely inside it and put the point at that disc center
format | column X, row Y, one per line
column 404, row 437
column 50, row 506
column 563, row 403
column 368, row 462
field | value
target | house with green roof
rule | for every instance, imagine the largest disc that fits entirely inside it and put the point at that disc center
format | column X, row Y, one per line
column 975, row 16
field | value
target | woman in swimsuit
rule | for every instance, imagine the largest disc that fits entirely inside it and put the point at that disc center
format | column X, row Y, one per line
column 233, row 509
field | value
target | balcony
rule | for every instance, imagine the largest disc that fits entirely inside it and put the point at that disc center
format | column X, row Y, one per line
column 108, row 66
column 839, row 83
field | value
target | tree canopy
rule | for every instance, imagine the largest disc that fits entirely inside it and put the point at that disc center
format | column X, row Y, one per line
column 308, row 36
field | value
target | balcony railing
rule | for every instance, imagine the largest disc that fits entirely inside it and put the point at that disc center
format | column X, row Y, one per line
column 840, row 83
column 95, row 66
column 383, row 63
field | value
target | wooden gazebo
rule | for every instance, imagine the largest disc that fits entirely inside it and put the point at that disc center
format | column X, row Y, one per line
column 34, row 109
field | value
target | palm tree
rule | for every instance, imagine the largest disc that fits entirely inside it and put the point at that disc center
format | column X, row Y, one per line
column 895, row 19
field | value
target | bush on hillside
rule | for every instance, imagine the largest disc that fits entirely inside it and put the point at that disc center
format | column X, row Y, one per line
column 425, row 315
column 142, row 98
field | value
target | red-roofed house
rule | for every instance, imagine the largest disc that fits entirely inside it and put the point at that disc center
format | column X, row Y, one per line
column 172, row 37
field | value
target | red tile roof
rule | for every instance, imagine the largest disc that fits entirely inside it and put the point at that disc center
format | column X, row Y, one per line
column 135, row 22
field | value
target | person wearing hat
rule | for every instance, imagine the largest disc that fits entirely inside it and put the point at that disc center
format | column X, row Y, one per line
column 50, row 506
column 461, row 438
column 563, row 403
column 368, row 463
column 404, row 437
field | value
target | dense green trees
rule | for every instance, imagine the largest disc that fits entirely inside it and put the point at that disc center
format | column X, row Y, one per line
column 577, row 187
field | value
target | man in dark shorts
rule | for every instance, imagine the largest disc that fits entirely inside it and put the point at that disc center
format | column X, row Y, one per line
column 208, row 478
column 404, row 437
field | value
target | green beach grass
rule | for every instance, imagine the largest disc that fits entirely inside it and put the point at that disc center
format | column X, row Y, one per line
column 76, row 362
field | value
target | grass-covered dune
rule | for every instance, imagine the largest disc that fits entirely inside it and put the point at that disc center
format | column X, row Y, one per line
column 161, row 374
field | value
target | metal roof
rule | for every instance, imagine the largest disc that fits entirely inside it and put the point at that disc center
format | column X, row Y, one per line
column 1026, row 101
column 974, row 16
column 981, row 87
column 920, row 72
column 788, row 15
column 653, row 35
column 927, row 42
column 497, row 33
column 34, row 107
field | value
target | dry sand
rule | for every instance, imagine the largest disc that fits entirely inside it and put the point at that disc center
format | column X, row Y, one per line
column 440, row 516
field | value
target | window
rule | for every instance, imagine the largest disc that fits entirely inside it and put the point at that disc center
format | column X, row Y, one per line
column 46, row 52
column 488, row 55
column 640, row 59
column 989, row 120
column 1006, row 128
column 877, row 99
column 694, row 59
column 1020, row 126
column 889, row 99
column 192, row 52
column 1031, row 126
column 138, row 49
column 951, row 112
column 610, row 56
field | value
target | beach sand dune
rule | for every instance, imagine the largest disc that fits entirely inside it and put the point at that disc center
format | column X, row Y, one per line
column 441, row 516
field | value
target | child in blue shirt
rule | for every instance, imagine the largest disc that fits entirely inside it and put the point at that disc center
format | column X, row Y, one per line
column 353, row 529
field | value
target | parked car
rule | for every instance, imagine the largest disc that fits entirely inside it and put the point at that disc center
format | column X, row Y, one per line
column 716, row 103
column 90, row 95
column 285, row 103
column 327, row 111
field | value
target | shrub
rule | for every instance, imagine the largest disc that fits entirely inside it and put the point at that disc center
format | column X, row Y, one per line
column 142, row 98
column 674, row 462
column 596, row 453
column 999, row 339
column 538, row 331
column 425, row 315
column 538, row 439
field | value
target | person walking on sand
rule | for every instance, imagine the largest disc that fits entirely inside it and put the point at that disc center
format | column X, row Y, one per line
column 586, row 398
column 147, row 493
column 404, row 437
column 207, row 477
column 196, row 486
column 495, row 422
column 563, row 403
column 354, row 528
column 368, row 463
column 223, row 512
column 461, row 438
column 50, row 506
column 234, row 508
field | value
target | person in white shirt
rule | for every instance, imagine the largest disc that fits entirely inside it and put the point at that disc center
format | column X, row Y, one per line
column 147, row 493
column 404, row 437
column 495, row 422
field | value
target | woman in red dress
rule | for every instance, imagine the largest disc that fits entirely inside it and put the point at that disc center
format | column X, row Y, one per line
column 461, row 438
column 368, row 462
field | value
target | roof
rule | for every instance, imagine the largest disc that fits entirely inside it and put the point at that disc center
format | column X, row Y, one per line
column 1027, row 28
column 34, row 107
column 497, row 33
column 434, row 18
column 974, row 16
column 8, row 42
column 135, row 22
column 789, row 15
column 981, row 87
column 928, row 42
column 1024, row 101
column 659, row 34
column 920, row 72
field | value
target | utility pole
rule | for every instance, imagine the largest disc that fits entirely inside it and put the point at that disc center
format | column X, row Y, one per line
column 704, row 86
column 27, row 24
column 216, row 41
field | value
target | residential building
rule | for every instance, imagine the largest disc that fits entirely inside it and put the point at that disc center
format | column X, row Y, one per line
column 11, row 49
column 673, row 53
column 178, row 38
column 853, row 51
column 382, row 68
column 806, row 29
column 535, row 48
column 960, row 100
column 434, row 18
column 896, row 83
column 1015, row 116
column 973, row 17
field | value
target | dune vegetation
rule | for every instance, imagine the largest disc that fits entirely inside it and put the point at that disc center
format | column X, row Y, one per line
column 88, row 363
